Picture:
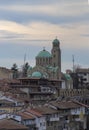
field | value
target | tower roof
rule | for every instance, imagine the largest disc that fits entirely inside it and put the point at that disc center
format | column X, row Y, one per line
column 44, row 54
column 56, row 41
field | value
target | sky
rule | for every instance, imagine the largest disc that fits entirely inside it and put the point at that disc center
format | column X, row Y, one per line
column 26, row 26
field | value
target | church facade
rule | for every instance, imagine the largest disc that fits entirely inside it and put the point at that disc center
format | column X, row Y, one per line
column 48, row 65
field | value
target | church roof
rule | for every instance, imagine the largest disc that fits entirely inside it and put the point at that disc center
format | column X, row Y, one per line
column 44, row 54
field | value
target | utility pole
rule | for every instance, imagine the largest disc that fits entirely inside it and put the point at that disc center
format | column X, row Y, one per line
column 73, row 62
column 24, row 58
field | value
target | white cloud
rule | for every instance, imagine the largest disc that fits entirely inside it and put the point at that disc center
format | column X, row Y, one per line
column 71, row 36
column 13, row 27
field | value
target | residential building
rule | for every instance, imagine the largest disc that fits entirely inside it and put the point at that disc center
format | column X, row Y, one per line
column 80, row 78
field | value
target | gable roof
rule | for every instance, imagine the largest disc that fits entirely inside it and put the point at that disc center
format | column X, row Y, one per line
column 9, row 124
column 65, row 104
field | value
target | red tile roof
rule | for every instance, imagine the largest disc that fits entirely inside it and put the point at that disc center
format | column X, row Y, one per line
column 9, row 124
column 45, row 110
column 64, row 104
column 33, row 112
column 26, row 116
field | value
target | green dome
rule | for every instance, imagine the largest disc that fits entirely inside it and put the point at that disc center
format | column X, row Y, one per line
column 67, row 76
column 44, row 54
column 36, row 74
column 56, row 41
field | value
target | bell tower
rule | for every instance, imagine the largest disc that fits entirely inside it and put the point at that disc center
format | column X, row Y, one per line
column 56, row 55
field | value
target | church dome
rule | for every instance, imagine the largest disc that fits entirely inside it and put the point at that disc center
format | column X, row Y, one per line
column 44, row 54
column 56, row 42
column 36, row 74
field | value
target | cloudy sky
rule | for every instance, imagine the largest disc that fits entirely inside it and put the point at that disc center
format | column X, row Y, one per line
column 26, row 26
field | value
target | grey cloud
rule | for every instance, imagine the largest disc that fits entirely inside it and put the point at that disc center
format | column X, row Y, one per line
column 84, row 35
column 28, row 17
column 24, row 2
column 9, row 35
column 62, row 18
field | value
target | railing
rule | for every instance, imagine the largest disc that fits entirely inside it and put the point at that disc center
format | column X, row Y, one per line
column 24, row 86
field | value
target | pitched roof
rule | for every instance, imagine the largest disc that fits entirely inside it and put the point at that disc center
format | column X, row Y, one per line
column 33, row 112
column 9, row 124
column 26, row 116
column 64, row 104
column 45, row 110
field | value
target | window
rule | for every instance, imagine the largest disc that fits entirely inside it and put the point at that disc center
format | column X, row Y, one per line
column 43, row 123
column 51, row 123
column 55, row 127
column 85, row 74
column 54, row 55
column 40, row 124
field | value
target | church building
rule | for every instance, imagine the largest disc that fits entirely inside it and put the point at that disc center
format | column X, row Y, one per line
column 48, row 65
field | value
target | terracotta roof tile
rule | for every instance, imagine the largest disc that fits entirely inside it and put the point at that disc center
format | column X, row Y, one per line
column 26, row 116
column 9, row 124
column 45, row 110
column 64, row 104
column 32, row 111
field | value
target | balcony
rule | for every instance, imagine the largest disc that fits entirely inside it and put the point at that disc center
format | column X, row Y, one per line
column 54, row 119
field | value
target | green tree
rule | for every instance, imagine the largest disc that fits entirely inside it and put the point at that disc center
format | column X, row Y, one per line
column 14, row 69
column 25, row 68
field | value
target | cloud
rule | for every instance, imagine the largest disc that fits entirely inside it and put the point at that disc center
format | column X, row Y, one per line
column 53, row 9
column 69, row 35
column 32, row 24
column 85, row 35
column 12, row 27
column 35, row 30
column 55, row 12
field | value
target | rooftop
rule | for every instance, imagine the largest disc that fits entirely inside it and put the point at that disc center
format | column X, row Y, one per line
column 64, row 104
column 9, row 124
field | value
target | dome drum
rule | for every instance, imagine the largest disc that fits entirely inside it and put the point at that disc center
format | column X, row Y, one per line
column 43, row 58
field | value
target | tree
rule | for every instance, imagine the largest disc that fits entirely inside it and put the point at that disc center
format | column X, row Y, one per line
column 25, row 68
column 14, row 69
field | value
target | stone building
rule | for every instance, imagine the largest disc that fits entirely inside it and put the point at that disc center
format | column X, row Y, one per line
column 5, row 73
column 48, row 65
